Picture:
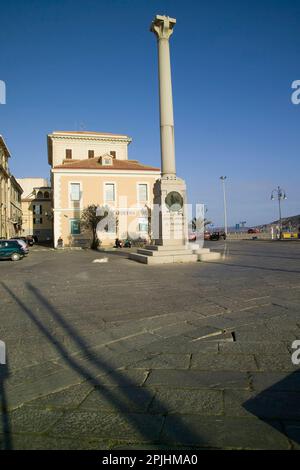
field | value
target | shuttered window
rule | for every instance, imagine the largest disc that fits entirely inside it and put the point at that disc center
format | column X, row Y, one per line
column 37, row 209
column 109, row 192
column 75, row 192
column 68, row 154
column 143, row 192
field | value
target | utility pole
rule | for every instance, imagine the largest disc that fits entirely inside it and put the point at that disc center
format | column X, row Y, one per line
column 281, row 195
column 223, row 178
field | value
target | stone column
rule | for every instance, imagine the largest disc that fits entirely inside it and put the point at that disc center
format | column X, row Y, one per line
column 169, row 214
column 162, row 26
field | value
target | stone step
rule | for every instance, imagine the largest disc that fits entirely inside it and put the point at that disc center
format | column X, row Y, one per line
column 164, row 259
column 167, row 247
column 144, row 251
column 201, row 251
column 212, row 256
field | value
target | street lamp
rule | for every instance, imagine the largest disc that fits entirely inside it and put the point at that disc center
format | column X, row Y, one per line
column 280, row 194
column 223, row 178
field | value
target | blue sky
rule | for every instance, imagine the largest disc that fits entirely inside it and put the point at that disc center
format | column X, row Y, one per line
column 92, row 64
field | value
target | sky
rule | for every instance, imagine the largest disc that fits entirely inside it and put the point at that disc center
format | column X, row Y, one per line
column 92, row 65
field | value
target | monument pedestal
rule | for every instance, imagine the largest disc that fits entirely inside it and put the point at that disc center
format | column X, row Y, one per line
column 170, row 228
column 169, row 225
column 162, row 255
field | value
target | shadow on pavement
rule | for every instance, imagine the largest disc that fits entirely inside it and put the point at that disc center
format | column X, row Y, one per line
column 5, row 438
column 123, row 252
column 103, row 367
column 263, row 255
column 279, row 406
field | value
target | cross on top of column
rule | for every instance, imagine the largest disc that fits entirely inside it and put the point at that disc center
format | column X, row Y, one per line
column 162, row 26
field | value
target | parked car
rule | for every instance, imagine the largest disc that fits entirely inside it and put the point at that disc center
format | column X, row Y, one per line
column 217, row 235
column 23, row 244
column 19, row 238
column 192, row 237
column 253, row 230
column 30, row 240
column 207, row 235
column 11, row 249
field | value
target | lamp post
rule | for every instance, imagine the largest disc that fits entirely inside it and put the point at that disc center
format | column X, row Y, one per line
column 223, row 178
column 280, row 194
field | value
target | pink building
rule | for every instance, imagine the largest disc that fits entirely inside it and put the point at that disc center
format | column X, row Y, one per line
column 93, row 168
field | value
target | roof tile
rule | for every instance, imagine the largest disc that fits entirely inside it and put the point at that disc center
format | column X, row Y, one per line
column 95, row 164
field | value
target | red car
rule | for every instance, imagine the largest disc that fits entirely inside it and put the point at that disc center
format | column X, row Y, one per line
column 192, row 237
column 207, row 235
column 253, row 230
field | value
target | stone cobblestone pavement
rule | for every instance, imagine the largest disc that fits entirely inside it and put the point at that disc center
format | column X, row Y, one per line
column 119, row 355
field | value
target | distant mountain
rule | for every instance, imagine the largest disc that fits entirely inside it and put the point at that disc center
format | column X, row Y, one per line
column 292, row 221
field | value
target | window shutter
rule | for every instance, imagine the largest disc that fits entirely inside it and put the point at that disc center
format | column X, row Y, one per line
column 91, row 153
column 143, row 192
column 68, row 154
column 109, row 192
column 75, row 192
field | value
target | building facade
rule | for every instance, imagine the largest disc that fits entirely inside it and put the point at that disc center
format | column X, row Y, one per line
column 4, row 179
column 93, row 168
column 15, row 208
column 10, row 197
column 37, row 208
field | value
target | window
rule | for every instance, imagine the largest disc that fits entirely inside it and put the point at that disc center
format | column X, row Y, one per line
column 113, row 153
column 39, row 195
column 37, row 220
column 68, row 154
column 91, row 153
column 75, row 227
column 142, row 192
column 143, row 224
column 75, row 192
column 46, row 195
column 106, row 160
column 37, row 209
column 109, row 192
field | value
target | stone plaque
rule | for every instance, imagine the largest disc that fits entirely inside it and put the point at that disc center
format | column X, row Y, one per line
column 174, row 201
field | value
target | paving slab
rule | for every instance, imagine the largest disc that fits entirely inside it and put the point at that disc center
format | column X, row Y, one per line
column 198, row 379
column 187, row 401
column 124, row 399
column 144, row 427
column 278, row 381
column 278, row 362
column 222, row 432
column 104, row 357
column 223, row 362
column 269, row 404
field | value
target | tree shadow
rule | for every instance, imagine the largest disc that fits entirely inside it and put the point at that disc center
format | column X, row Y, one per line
column 279, row 406
column 5, row 439
column 104, row 367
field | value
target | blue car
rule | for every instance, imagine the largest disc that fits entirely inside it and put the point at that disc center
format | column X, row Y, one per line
column 11, row 249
